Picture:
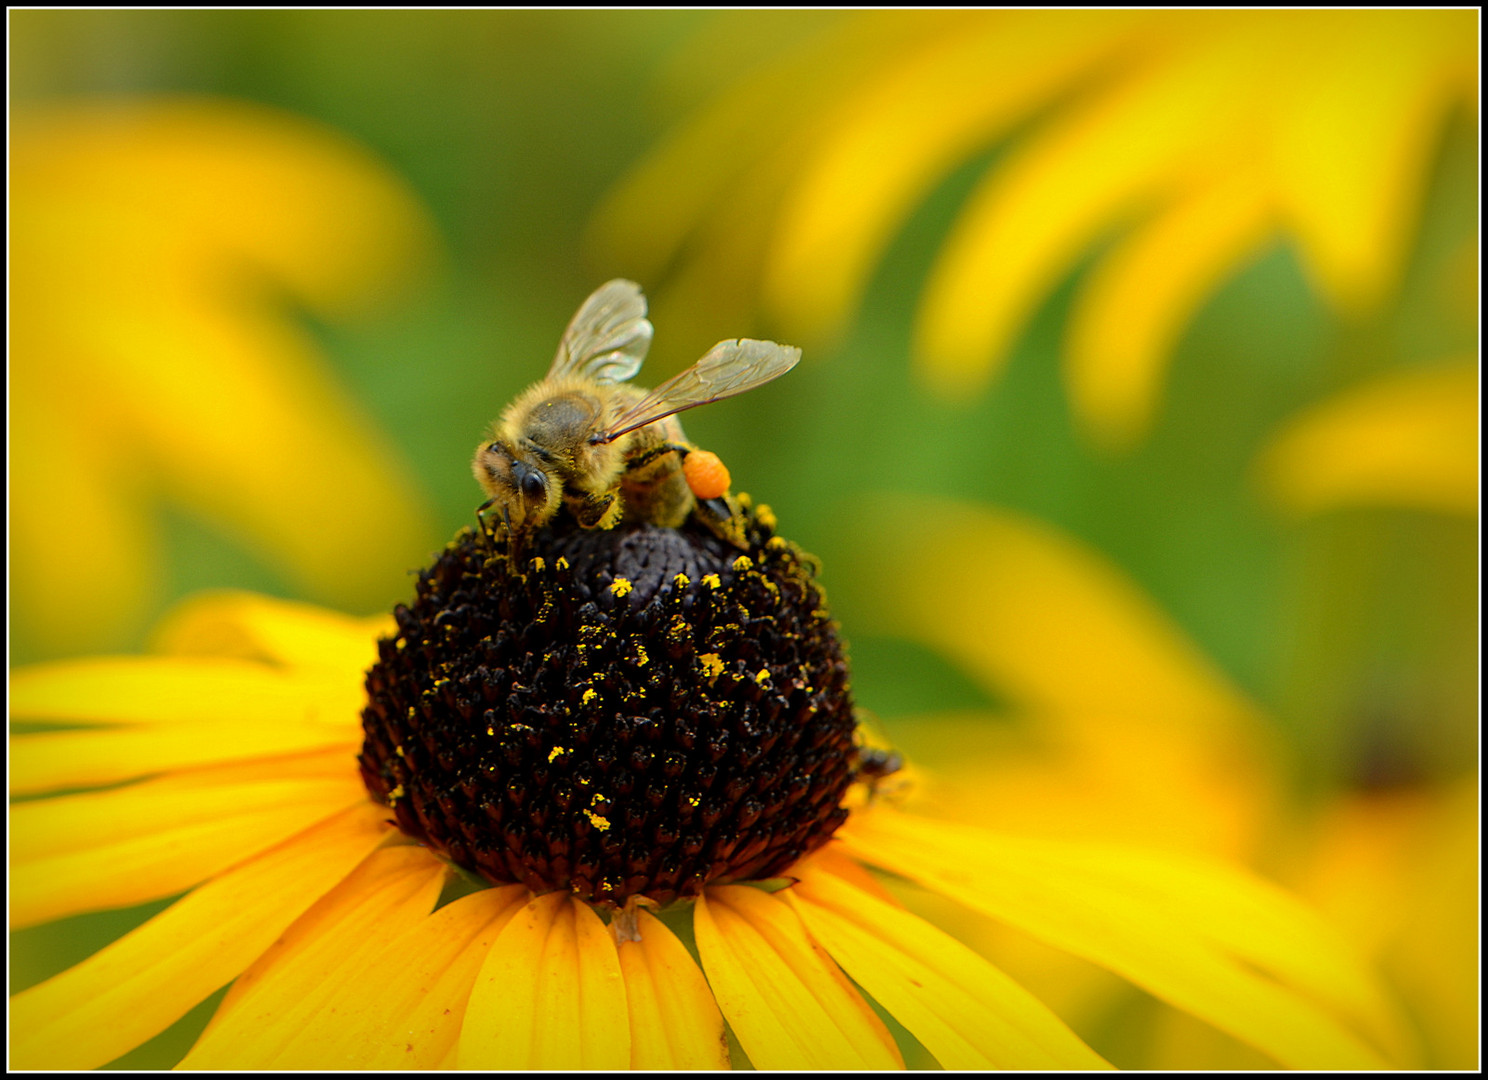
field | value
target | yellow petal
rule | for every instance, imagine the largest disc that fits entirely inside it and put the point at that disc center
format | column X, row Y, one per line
column 1117, row 699
column 1041, row 617
column 1097, row 163
column 550, row 994
column 1399, row 871
column 788, row 1004
column 1232, row 951
column 161, row 689
column 1356, row 138
column 674, row 1021
column 73, row 759
column 232, row 623
column 145, row 260
column 673, row 189
column 307, row 1001
column 924, row 112
column 1142, row 783
column 118, row 581
column 435, row 964
column 144, row 982
column 1408, row 438
column 1138, row 301
column 127, row 845
column 965, row 1012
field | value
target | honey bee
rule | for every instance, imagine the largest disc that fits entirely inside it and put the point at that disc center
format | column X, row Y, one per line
column 583, row 440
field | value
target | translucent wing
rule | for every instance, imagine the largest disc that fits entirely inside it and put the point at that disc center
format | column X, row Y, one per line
column 731, row 367
column 608, row 337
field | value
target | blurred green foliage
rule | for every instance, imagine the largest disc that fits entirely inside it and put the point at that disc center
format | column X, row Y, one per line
column 1356, row 629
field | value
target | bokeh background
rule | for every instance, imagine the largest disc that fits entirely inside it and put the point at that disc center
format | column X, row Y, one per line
column 1137, row 428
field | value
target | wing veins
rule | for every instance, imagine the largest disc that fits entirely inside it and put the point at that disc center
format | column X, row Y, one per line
column 728, row 369
column 608, row 336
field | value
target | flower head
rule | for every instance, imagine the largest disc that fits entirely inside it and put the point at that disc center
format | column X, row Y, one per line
column 632, row 713
column 350, row 940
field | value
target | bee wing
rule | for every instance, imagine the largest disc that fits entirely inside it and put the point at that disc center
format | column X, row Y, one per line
column 729, row 368
column 608, row 336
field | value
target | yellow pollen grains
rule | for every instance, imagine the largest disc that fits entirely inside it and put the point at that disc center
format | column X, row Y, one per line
column 399, row 751
column 742, row 563
column 396, row 794
column 641, row 658
column 589, row 695
column 711, row 664
column 599, row 821
column 713, row 581
column 682, row 581
column 766, row 517
column 537, row 564
column 621, row 587
column 763, row 677
column 557, row 751
column 561, row 564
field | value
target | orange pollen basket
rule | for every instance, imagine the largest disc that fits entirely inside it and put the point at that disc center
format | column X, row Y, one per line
column 706, row 474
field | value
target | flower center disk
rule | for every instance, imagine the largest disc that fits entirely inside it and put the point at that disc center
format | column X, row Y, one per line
column 636, row 711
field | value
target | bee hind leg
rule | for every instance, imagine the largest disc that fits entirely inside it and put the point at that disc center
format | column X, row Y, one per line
column 722, row 517
column 646, row 457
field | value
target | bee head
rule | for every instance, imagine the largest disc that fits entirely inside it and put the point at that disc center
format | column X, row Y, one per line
column 520, row 488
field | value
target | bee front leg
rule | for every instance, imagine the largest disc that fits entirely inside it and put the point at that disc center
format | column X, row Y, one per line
column 597, row 511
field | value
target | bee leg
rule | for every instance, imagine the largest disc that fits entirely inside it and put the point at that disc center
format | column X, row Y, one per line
column 481, row 523
column 647, row 457
column 598, row 511
column 721, row 516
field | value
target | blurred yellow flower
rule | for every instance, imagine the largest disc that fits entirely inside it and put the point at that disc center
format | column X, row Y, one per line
column 1408, row 438
column 1398, row 872
column 157, row 248
column 1125, row 730
column 228, row 769
column 1198, row 137
column 1119, row 728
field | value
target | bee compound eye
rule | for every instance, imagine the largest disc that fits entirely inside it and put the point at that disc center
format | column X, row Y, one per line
column 535, row 485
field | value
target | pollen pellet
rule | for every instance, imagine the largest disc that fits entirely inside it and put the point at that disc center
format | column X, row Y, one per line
column 706, row 474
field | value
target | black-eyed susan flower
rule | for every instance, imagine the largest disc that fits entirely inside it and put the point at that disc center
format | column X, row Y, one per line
column 591, row 809
column 155, row 360
column 1199, row 139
